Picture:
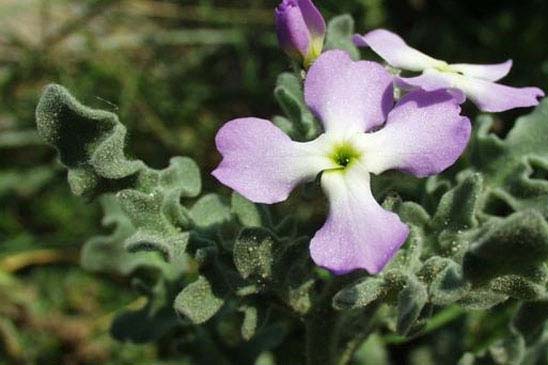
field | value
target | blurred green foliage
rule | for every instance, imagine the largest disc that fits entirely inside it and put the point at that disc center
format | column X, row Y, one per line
column 174, row 71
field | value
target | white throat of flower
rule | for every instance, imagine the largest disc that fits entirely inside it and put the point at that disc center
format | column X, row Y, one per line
column 342, row 151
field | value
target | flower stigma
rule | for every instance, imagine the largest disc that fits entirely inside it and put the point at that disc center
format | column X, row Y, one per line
column 344, row 155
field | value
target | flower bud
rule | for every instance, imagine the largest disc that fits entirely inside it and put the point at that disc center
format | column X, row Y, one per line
column 301, row 30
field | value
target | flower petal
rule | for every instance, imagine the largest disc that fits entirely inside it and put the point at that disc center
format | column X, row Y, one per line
column 348, row 96
column 313, row 18
column 492, row 97
column 358, row 232
column 493, row 72
column 429, row 80
column 424, row 135
column 262, row 163
column 291, row 29
column 393, row 49
column 487, row 95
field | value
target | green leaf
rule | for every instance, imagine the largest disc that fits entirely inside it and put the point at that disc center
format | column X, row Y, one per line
column 408, row 257
column 89, row 141
column 289, row 94
column 247, row 212
column 153, row 230
column 107, row 253
column 361, row 294
column 448, row 285
column 340, row 30
column 210, row 211
column 254, row 253
column 479, row 299
column 254, row 319
column 183, row 176
column 198, row 301
column 514, row 168
column 287, row 126
column 509, row 246
column 91, row 145
column 457, row 208
column 411, row 301
column 518, row 287
column 153, row 320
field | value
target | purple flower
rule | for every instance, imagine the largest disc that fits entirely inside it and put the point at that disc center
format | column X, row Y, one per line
column 423, row 134
column 301, row 29
column 476, row 81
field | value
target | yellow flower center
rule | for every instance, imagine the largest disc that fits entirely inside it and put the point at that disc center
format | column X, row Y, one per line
column 344, row 155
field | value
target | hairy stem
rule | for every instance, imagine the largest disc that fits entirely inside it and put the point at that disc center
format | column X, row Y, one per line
column 441, row 319
column 357, row 329
column 323, row 324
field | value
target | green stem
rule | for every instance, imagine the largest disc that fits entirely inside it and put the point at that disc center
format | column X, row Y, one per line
column 323, row 325
column 320, row 346
column 362, row 326
column 441, row 319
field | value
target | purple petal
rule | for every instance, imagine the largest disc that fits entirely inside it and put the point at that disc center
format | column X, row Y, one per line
column 424, row 135
column 430, row 80
column 493, row 72
column 312, row 17
column 393, row 49
column 291, row 29
column 262, row 163
column 358, row 233
column 492, row 97
column 348, row 96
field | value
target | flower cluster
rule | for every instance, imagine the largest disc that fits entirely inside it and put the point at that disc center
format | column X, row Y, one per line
column 366, row 131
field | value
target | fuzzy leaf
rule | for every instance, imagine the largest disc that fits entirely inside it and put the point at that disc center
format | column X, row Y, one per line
column 456, row 210
column 254, row 253
column 287, row 126
column 155, row 231
column 91, row 145
column 514, row 168
column 481, row 299
column 247, row 212
column 449, row 285
column 509, row 246
column 107, row 254
column 360, row 294
column 411, row 300
column 289, row 94
column 210, row 211
column 150, row 322
column 254, row 318
column 198, row 301
column 518, row 287
column 339, row 35
column 90, row 142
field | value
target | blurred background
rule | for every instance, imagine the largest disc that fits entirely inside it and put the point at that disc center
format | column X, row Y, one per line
column 173, row 71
